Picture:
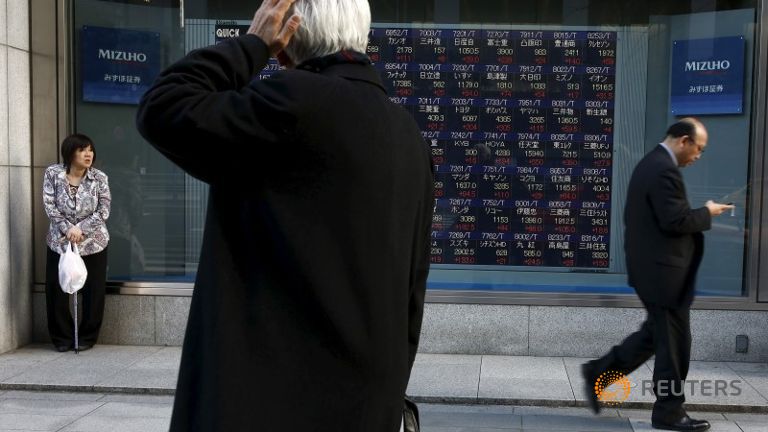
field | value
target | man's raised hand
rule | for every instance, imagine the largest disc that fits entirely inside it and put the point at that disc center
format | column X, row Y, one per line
column 270, row 25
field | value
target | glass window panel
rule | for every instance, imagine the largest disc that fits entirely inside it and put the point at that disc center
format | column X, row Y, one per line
column 536, row 113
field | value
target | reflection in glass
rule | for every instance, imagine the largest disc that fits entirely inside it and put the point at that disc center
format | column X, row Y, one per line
column 159, row 212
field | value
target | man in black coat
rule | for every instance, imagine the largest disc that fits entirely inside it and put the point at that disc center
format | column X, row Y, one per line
column 664, row 245
column 309, row 295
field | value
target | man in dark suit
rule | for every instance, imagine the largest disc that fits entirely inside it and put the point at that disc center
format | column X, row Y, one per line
column 310, row 290
column 664, row 245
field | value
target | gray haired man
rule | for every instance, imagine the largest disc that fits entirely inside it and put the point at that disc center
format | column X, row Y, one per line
column 309, row 295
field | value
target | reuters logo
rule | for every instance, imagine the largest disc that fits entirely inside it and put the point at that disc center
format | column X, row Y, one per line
column 612, row 387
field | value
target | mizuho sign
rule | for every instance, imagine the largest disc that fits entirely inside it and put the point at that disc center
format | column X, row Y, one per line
column 117, row 65
column 714, row 65
column 708, row 76
column 137, row 57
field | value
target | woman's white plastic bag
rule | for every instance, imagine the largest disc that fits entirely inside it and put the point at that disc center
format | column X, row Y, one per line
column 72, row 271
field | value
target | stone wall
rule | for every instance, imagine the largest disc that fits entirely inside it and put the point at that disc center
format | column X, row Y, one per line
column 15, row 176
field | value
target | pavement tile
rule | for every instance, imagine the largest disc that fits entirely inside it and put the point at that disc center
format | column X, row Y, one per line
column 515, row 377
column 84, row 369
column 753, row 426
column 33, row 422
column 760, row 385
column 711, row 370
column 573, row 372
column 576, row 423
column 641, row 414
column 567, row 411
column 636, row 378
column 717, row 426
column 469, row 409
column 640, row 381
column 747, row 417
column 103, row 356
column 11, row 369
column 529, row 389
column 118, row 424
column 23, row 394
column 755, row 368
column 525, row 367
column 486, row 420
column 718, row 383
column 34, row 353
column 704, row 415
column 141, row 378
column 82, row 375
column 424, row 358
column 156, row 399
column 16, row 362
column 755, row 374
column 430, row 371
column 467, row 429
column 133, row 409
column 48, row 407
column 165, row 358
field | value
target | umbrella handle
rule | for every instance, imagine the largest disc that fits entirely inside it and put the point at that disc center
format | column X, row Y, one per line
column 74, row 300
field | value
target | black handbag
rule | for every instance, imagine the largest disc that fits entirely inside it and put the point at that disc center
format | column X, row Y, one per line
column 410, row 416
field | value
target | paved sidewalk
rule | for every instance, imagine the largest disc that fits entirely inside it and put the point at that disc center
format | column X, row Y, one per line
column 26, row 411
column 436, row 378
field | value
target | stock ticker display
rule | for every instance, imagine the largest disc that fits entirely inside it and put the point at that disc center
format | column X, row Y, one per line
column 520, row 127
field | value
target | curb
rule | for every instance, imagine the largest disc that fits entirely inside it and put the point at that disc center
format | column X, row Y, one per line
column 570, row 403
column 549, row 403
column 88, row 389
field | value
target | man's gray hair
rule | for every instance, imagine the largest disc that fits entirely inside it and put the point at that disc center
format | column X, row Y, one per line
column 327, row 27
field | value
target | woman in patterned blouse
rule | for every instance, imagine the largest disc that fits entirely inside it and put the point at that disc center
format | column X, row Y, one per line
column 77, row 200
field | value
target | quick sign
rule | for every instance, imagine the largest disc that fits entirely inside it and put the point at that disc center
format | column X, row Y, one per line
column 116, row 65
column 228, row 31
column 707, row 76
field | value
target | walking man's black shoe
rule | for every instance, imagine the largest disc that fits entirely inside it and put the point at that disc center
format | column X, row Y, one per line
column 684, row 424
column 63, row 348
column 589, row 386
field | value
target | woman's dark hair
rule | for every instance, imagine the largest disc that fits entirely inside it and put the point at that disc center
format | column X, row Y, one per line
column 73, row 143
column 682, row 128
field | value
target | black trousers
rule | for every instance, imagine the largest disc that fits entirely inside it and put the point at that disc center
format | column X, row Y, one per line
column 667, row 334
column 61, row 328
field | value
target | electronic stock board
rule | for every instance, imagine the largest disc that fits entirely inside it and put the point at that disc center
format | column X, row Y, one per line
column 520, row 128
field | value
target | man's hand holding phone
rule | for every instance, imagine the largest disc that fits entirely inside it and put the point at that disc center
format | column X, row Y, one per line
column 716, row 209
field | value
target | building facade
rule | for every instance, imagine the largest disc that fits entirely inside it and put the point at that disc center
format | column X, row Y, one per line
column 535, row 114
column 16, row 173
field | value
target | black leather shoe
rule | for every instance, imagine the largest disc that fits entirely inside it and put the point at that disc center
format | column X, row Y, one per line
column 684, row 424
column 588, row 373
column 63, row 348
column 84, row 347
